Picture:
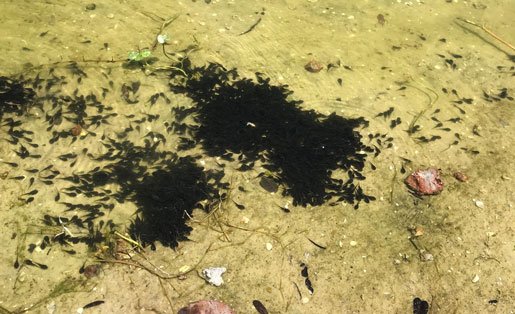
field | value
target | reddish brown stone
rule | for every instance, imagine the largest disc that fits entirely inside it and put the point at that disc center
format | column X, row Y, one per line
column 206, row 307
column 313, row 66
column 460, row 176
column 425, row 181
column 76, row 130
column 92, row 270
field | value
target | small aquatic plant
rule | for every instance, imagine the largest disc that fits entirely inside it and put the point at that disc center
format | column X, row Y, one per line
column 140, row 56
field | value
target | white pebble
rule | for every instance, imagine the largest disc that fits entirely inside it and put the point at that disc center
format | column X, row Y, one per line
column 475, row 279
column 353, row 243
column 269, row 246
column 213, row 275
column 479, row 204
column 427, row 257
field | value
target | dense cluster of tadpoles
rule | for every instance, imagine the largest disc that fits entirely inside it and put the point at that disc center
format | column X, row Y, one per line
column 251, row 119
column 315, row 159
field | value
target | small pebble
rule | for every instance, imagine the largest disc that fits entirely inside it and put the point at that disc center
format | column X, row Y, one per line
column 184, row 269
column 475, row 279
column 460, row 176
column 479, row 204
column 427, row 257
column 353, row 243
column 213, row 275
column 91, row 6
column 314, row 66
column 269, row 246
column 416, row 231
column 51, row 307
column 91, row 271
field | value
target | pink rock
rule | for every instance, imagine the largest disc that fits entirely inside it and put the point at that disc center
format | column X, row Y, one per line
column 425, row 181
column 206, row 307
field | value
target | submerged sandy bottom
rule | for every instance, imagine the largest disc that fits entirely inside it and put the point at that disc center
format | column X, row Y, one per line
column 367, row 263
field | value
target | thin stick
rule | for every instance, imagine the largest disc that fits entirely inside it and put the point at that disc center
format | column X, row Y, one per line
column 483, row 27
column 154, row 271
column 251, row 27
column 129, row 240
column 163, row 26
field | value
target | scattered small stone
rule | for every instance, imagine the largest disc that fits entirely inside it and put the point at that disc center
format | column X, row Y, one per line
column 475, row 279
column 460, row 176
column 416, row 231
column 425, row 181
column 51, row 307
column 92, row 270
column 314, row 66
column 269, row 246
column 426, row 256
column 76, row 130
column 353, row 243
column 213, row 275
column 479, row 204
column 91, row 6
column 206, row 306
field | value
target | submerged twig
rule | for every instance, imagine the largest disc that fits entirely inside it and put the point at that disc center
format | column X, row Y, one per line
column 251, row 27
column 163, row 26
column 489, row 32
column 131, row 241
column 412, row 128
column 154, row 271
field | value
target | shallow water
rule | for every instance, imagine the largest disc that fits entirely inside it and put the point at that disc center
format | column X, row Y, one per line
column 421, row 61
